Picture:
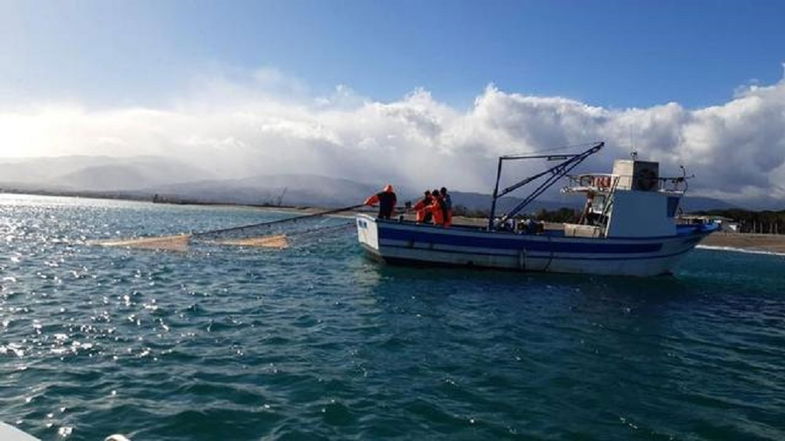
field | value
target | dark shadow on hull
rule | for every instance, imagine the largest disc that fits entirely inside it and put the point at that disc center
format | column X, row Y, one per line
column 413, row 263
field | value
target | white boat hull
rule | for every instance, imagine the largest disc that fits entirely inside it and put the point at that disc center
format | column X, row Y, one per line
column 11, row 433
column 418, row 244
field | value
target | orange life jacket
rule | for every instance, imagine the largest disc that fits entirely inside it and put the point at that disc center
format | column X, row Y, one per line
column 372, row 200
column 437, row 210
column 421, row 209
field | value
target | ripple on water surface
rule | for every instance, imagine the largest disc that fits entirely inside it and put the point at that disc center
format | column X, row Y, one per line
column 314, row 342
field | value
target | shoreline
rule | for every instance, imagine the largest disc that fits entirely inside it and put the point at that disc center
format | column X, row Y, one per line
column 721, row 241
column 110, row 196
column 750, row 242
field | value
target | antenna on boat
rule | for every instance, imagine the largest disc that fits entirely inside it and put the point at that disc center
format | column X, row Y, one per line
column 684, row 178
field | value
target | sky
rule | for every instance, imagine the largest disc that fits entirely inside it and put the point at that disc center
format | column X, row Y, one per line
column 409, row 91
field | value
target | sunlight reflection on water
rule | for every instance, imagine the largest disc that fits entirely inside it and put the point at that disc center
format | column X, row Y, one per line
column 316, row 342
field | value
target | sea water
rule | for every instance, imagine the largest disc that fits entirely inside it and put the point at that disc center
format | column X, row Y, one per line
column 316, row 342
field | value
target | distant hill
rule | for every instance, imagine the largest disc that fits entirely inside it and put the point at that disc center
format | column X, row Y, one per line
column 294, row 189
column 96, row 173
column 696, row 203
column 479, row 201
column 133, row 176
column 144, row 176
column 483, row 201
column 41, row 171
column 287, row 189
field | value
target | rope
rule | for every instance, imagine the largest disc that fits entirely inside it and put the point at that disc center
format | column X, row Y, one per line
column 562, row 148
column 269, row 223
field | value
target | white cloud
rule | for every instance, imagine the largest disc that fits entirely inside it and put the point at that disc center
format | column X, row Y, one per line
column 266, row 122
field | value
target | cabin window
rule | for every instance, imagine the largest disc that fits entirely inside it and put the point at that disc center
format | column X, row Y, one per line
column 673, row 205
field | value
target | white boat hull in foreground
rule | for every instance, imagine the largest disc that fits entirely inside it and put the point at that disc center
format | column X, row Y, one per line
column 11, row 433
column 420, row 244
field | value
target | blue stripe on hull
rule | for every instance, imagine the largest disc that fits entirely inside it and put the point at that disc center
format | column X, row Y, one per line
column 544, row 257
column 515, row 243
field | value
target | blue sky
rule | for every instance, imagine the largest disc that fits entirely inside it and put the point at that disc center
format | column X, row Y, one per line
column 238, row 88
column 614, row 54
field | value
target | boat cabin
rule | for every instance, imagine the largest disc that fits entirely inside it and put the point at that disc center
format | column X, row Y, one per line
column 633, row 201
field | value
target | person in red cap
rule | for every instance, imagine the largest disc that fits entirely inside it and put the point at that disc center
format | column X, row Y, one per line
column 386, row 200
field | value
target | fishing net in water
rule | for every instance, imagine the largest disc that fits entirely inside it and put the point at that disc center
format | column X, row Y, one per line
column 243, row 236
column 183, row 242
column 177, row 242
column 279, row 241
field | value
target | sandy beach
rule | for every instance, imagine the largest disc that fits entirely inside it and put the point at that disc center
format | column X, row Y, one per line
column 754, row 242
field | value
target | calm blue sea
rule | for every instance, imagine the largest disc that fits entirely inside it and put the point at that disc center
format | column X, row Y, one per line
column 315, row 342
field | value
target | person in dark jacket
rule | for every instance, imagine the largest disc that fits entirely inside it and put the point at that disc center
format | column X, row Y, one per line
column 386, row 200
column 447, row 203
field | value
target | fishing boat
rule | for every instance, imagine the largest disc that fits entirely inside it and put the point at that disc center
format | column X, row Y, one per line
column 628, row 226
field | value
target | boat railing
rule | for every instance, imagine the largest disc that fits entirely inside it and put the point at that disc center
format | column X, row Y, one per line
column 597, row 182
column 672, row 185
column 607, row 182
column 606, row 209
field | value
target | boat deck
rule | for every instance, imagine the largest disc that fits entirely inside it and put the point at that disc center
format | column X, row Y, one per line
column 551, row 229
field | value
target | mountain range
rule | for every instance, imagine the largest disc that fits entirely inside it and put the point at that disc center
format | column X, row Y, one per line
column 146, row 176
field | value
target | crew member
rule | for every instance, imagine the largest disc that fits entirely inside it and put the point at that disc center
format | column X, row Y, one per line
column 386, row 200
column 447, row 202
column 588, row 216
column 423, row 215
column 437, row 208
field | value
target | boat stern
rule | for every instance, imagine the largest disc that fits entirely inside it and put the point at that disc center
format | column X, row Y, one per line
column 368, row 233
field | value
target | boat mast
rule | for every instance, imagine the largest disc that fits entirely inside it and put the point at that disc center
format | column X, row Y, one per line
column 495, row 194
column 556, row 172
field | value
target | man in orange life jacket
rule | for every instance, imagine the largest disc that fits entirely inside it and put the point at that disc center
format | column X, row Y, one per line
column 421, row 208
column 437, row 208
column 386, row 200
